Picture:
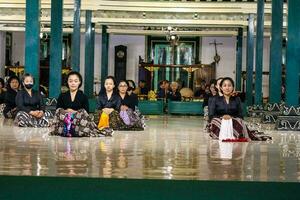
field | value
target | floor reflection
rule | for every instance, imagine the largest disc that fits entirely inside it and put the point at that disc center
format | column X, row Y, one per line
column 226, row 160
column 170, row 148
column 227, row 150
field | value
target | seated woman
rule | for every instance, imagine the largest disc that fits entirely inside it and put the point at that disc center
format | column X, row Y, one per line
column 208, row 97
column 163, row 89
column 174, row 94
column 10, row 110
column 142, row 89
column 131, row 119
column 131, row 87
column 2, row 96
column 108, row 106
column 30, row 107
column 212, row 92
column 200, row 90
column 71, row 116
column 219, row 93
column 228, row 107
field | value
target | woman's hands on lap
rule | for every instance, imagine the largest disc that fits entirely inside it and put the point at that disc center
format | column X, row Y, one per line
column 108, row 110
column 226, row 117
column 37, row 113
column 124, row 108
column 69, row 110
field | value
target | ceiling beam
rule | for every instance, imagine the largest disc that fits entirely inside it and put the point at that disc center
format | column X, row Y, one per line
column 178, row 7
column 176, row 22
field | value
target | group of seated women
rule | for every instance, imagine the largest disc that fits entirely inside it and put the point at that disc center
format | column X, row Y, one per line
column 116, row 108
column 71, row 117
column 26, row 105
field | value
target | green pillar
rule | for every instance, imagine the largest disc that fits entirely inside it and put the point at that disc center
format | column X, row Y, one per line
column 75, row 54
column 56, row 47
column 104, row 53
column 89, row 54
column 239, row 60
column 293, row 58
column 177, row 73
column 249, row 62
column 155, row 87
column 168, row 77
column 276, row 52
column 259, row 52
column 32, row 40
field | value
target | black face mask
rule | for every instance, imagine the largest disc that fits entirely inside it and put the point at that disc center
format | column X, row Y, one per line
column 28, row 86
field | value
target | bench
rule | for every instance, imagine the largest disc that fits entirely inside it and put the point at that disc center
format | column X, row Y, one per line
column 151, row 107
column 186, row 108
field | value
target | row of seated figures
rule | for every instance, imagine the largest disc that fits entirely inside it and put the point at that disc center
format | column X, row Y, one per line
column 284, row 117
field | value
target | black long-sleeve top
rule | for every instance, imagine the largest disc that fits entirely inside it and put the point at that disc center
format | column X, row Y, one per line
column 81, row 101
column 2, row 97
column 131, row 101
column 10, row 100
column 199, row 93
column 207, row 98
column 144, row 91
column 114, row 101
column 161, row 93
column 28, row 103
column 174, row 96
column 218, row 107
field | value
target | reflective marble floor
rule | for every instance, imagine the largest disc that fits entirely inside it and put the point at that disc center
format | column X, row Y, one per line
column 171, row 147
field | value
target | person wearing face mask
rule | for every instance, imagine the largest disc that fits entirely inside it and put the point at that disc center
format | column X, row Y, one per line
column 131, row 118
column 13, row 84
column 229, row 107
column 71, row 117
column 30, row 107
column 108, row 106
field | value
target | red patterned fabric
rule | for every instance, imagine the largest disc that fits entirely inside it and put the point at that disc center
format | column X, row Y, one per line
column 240, row 130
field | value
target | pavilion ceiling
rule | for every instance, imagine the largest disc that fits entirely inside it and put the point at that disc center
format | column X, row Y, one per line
column 196, row 17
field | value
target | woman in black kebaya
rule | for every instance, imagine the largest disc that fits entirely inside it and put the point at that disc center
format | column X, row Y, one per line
column 229, row 107
column 131, row 118
column 2, row 95
column 71, row 117
column 30, row 106
column 108, row 106
column 10, row 109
